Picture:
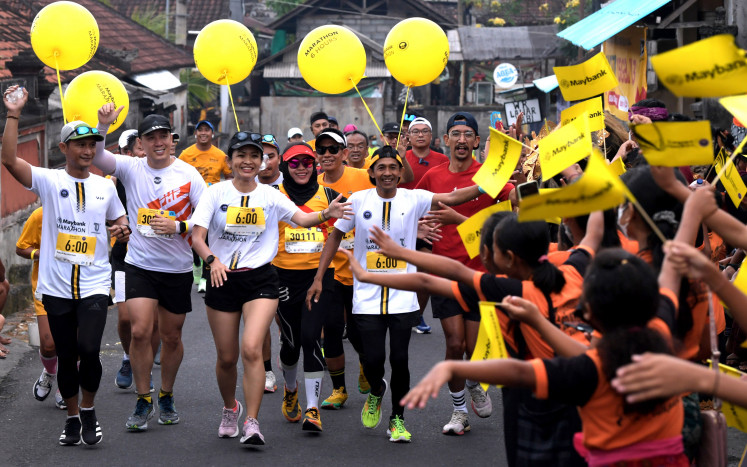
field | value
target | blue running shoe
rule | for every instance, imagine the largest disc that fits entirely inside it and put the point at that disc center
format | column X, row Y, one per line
column 123, row 380
column 422, row 328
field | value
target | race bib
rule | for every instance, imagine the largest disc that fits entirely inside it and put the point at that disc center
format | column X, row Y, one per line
column 376, row 262
column 144, row 216
column 245, row 221
column 302, row 240
column 75, row 249
column 348, row 240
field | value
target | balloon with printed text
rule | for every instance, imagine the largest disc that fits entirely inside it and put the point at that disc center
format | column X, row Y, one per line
column 416, row 51
column 64, row 35
column 331, row 59
column 86, row 94
column 225, row 52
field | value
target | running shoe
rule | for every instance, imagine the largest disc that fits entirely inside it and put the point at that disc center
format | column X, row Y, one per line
column 166, row 411
column 71, row 434
column 481, row 403
column 458, row 425
column 197, row 272
column 311, row 420
column 270, row 382
column 43, row 385
column 144, row 411
column 371, row 413
column 363, row 386
column 336, row 400
column 59, row 401
column 123, row 380
column 202, row 286
column 157, row 356
column 397, row 432
column 422, row 327
column 229, row 423
column 91, row 430
column 251, row 433
column 291, row 408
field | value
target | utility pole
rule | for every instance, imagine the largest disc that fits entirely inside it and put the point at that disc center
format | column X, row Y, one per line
column 463, row 65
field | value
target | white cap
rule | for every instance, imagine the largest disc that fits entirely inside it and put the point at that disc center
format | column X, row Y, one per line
column 421, row 121
column 125, row 136
column 294, row 131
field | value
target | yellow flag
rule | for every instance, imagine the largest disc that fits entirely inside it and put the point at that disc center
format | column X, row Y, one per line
column 712, row 67
column 471, row 229
column 490, row 344
column 737, row 106
column 617, row 167
column 564, row 147
column 593, row 107
column 585, row 80
column 736, row 416
column 672, row 144
column 596, row 190
column 732, row 181
column 500, row 164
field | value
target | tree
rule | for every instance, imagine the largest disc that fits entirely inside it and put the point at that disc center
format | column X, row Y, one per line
column 282, row 7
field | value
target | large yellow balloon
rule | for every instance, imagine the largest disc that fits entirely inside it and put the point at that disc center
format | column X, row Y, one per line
column 416, row 51
column 64, row 35
column 225, row 52
column 86, row 94
column 331, row 59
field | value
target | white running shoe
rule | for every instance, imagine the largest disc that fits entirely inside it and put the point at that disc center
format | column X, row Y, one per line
column 481, row 403
column 271, row 384
column 43, row 385
column 59, row 401
column 458, row 425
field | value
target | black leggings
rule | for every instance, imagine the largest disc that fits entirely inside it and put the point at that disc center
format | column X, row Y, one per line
column 340, row 312
column 77, row 327
column 373, row 330
column 298, row 324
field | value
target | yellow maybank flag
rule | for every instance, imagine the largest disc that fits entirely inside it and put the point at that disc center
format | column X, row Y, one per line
column 471, row 229
column 500, row 164
column 564, row 147
column 736, row 416
column 712, row 67
column 592, row 107
column 490, row 344
column 673, row 144
column 585, row 80
column 737, row 106
column 597, row 189
column 731, row 179
column 617, row 167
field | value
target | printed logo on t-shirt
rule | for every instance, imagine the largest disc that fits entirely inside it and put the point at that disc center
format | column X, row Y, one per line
column 224, row 207
column 367, row 215
column 176, row 200
column 157, row 180
column 64, row 193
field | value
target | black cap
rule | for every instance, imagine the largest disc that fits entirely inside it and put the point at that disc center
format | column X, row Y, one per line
column 335, row 134
column 391, row 127
column 383, row 152
column 462, row 118
column 318, row 116
column 244, row 138
column 332, row 120
column 153, row 122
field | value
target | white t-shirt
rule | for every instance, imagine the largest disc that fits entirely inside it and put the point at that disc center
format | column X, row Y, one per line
column 243, row 227
column 175, row 190
column 276, row 184
column 398, row 217
column 74, row 252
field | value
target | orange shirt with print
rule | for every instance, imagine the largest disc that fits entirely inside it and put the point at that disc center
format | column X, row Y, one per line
column 211, row 163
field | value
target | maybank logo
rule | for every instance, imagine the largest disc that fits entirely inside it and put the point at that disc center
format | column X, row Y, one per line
column 567, row 145
column 592, row 115
column 580, row 82
column 713, row 73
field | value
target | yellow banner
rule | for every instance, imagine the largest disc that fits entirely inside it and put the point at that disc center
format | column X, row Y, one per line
column 737, row 106
column 736, row 416
column 500, row 164
column 597, row 189
column 564, row 147
column 592, row 107
column 712, row 67
column 626, row 52
column 673, row 144
column 731, row 180
column 471, row 229
column 585, row 80
column 617, row 167
column 490, row 344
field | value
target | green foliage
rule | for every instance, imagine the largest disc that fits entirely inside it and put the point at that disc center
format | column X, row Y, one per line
column 201, row 93
column 282, row 7
column 150, row 18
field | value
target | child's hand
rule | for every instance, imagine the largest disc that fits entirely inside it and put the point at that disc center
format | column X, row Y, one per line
column 427, row 387
column 688, row 260
column 520, row 309
column 355, row 266
column 387, row 246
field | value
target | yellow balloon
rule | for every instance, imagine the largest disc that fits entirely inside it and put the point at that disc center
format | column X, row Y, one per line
column 331, row 59
column 86, row 94
column 64, row 35
column 416, row 51
column 225, row 52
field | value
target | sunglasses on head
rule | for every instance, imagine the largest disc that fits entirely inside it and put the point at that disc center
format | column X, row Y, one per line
column 306, row 162
column 321, row 150
column 243, row 136
column 269, row 139
column 84, row 130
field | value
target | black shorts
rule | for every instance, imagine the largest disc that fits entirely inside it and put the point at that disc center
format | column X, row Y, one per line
column 294, row 284
column 446, row 308
column 57, row 306
column 242, row 287
column 173, row 290
column 420, row 244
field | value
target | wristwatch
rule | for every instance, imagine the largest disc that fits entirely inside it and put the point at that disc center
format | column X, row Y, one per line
column 210, row 259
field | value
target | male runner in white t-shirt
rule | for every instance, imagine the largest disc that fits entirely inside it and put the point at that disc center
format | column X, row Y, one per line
column 74, row 270
column 161, row 193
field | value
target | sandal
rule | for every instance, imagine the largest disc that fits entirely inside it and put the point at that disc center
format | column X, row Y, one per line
column 3, row 351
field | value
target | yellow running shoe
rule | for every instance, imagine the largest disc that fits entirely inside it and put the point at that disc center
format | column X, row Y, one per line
column 291, row 409
column 371, row 413
column 363, row 386
column 336, row 400
column 311, row 420
column 397, row 431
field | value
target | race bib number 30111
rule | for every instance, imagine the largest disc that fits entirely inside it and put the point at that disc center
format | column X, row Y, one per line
column 75, row 249
column 302, row 240
column 144, row 216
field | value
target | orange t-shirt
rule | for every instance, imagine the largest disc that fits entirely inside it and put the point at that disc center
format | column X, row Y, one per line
column 211, row 163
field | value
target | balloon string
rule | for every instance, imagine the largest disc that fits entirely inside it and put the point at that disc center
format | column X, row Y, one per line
column 59, row 84
column 404, row 110
column 230, row 97
column 370, row 114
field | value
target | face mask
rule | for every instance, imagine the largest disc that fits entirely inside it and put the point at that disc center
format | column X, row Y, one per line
column 620, row 213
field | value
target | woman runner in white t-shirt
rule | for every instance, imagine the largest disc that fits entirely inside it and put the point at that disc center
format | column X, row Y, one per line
column 240, row 218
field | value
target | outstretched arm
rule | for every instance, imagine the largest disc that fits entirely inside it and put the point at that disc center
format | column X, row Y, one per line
column 328, row 253
column 456, row 197
column 103, row 159
column 335, row 209
column 19, row 168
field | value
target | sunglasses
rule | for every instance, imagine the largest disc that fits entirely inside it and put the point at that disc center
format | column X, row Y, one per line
column 243, row 136
column 269, row 139
column 84, row 130
column 306, row 162
column 321, row 150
